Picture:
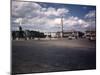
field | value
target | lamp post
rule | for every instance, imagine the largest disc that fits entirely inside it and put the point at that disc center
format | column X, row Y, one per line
column 62, row 27
column 90, row 29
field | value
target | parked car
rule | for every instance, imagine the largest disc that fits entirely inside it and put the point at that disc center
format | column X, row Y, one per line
column 92, row 38
column 71, row 37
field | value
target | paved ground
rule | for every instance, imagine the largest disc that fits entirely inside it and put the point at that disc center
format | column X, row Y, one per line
column 32, row 56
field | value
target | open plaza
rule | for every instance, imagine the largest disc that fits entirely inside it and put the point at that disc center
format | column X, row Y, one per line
column 32, row 56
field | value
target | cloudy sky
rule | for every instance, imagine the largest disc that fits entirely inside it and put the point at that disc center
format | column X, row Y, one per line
column 46, row 17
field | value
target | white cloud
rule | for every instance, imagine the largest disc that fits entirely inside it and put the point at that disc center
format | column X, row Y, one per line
column 62, row 11
column 24, row 9
column 35, row 16
column 27, row 9
column 57, row 21
column 48, row 24
column 32, row 14
column 18, row 20
column 50, row 11
column 91, row 14
column 55, row 12
column 91, row 19
column 71, row 21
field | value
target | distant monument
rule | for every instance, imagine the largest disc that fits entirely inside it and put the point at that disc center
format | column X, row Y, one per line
column 21, row 33
column 20, row 28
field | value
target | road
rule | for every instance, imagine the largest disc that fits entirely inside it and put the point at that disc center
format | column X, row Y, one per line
column 34, row 56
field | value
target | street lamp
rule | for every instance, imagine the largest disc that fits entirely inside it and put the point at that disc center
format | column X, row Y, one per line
column 62, row 27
